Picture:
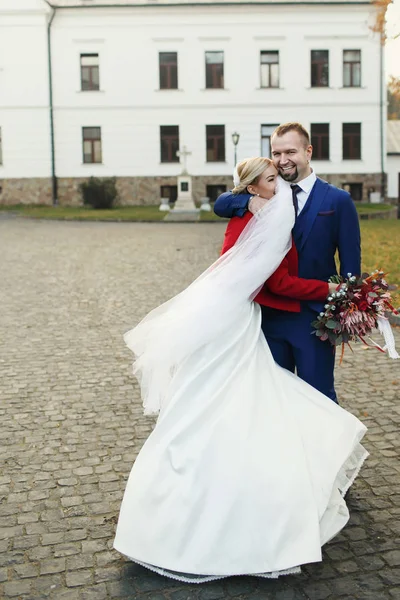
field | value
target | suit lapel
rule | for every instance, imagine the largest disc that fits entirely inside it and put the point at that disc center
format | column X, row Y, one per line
column 318, row 196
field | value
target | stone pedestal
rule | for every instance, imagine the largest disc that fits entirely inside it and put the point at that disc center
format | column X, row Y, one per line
column 184, row 201
column 375, row 198
column 165, row 204
column 205, row 204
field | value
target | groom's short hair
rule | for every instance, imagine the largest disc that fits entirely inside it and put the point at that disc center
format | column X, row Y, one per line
column 292, row 126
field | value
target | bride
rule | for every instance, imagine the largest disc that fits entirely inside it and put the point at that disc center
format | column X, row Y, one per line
column 247, row 467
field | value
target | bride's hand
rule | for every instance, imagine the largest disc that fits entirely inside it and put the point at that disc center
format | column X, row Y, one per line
column 332, row 287
column 256, row 203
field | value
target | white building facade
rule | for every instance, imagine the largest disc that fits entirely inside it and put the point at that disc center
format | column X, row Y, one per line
column 134, row 82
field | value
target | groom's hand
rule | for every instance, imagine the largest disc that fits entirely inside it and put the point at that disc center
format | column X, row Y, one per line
column 256, row 203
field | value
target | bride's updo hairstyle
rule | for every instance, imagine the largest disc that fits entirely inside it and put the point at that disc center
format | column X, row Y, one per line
column 249, row 172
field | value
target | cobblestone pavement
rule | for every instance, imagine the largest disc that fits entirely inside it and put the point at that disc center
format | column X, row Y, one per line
column 71, row 422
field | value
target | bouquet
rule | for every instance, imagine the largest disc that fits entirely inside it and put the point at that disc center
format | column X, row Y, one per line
column 359, row 305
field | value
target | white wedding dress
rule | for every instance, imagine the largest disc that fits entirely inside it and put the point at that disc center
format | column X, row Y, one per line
column 247, row 467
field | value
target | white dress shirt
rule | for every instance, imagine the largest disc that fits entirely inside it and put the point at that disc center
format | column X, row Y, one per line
column 306, row 185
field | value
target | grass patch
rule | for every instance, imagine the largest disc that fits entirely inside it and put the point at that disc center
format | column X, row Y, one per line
column 210, row 216
column 365, row 207
column 129, row 213
column 381, row 248
column 84, row 213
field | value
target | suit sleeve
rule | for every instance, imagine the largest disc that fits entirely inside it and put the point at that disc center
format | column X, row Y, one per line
column 280, row 283
column 283, row 284
column 231, row 205
column 349, row 238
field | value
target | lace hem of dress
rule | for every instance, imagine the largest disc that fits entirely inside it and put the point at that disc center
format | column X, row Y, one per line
column 192, row 578
column 351, row 469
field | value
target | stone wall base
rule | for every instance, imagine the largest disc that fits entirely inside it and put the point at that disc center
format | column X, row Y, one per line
column 371, row 182
column 25, row 191
column 140, row 191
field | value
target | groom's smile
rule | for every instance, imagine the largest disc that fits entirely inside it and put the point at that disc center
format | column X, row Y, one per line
column 288, row 172
column 291, row 154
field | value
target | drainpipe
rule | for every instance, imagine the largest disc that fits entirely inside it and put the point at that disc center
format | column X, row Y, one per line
column 53, row 161
column 382, row 115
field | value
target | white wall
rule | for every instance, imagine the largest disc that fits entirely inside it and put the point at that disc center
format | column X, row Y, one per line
column 393, row 173
column 24, row 113
column 130, row 108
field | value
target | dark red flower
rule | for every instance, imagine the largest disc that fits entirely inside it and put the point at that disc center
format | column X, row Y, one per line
column 363, row 305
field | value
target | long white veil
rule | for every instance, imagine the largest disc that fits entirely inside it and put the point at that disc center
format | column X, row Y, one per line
column 213, row 303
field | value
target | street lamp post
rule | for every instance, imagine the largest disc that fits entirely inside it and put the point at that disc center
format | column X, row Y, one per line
column 235, row 140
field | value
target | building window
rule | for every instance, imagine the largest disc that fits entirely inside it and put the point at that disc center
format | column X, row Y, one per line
column 215, row 143
column 169, row 143
column 269, row 65
column 214, row 70
column 319, row 68
column 168, row 62
column 90, row 72
column 266, row 132
column 355, row 190
column 170, row 192
column 91, row 144
column 320, row 141
column 351, row 68
column 1, row 149
column 351, row 141
column 213, row 191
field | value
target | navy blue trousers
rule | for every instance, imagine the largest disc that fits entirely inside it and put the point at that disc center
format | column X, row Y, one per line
column 294, row 348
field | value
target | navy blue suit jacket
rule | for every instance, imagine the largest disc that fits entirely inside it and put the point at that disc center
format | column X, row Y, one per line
column 329, row 223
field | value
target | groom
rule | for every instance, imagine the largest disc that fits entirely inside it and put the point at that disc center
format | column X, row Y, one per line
column 326, row 221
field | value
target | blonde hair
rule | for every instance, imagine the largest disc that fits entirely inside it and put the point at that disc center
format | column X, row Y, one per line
column 249, row 171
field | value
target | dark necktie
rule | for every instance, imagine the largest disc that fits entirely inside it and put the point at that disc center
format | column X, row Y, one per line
column 295, row 190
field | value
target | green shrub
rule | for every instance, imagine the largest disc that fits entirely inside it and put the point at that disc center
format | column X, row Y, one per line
column 99, row 193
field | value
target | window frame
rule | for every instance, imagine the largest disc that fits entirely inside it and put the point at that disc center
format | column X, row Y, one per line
column 169, row 71
column 172, row 193
column 320, row 66
column 350, row 137
column 269, row 65
column 92, row 87
column 318, row 148
column 92, row 141
column 216, row 139
column 267, row 137
column 214, row 71
column 352, row 69
column 214, row 190
column 167, row 141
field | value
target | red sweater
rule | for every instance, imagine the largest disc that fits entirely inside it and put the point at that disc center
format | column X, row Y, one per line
column 284, row 289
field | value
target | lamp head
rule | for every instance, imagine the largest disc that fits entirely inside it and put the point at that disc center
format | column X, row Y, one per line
column 235, row 138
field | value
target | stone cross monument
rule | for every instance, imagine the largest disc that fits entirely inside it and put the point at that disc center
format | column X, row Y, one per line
column 184, row 153
column 184, row 201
